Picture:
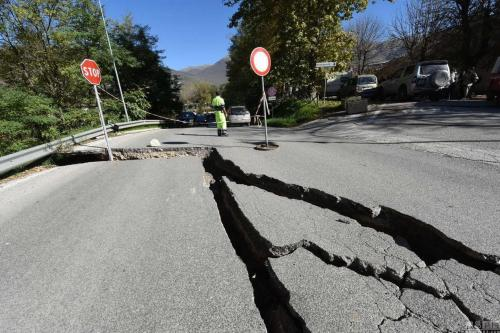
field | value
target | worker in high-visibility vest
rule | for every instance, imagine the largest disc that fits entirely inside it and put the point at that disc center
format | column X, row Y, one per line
column 220, row 114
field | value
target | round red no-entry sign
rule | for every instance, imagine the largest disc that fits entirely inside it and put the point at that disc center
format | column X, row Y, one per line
column 91, row 72
column 260, row 60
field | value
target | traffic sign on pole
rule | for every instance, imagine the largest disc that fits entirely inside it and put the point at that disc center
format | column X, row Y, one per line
column 326, row 64
column 260, row 61
column 92, row 73
column 272, row 91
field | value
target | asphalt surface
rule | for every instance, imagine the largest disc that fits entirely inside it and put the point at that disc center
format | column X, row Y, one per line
column 126, row 247
column 443, row 183
column 66, row 235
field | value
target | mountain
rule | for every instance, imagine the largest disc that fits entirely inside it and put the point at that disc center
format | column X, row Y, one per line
column 215, row 74
column 388, row 50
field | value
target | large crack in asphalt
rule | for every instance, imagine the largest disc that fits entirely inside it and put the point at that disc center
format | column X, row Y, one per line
column 125, row 154
column 429, row 243
column 272, row 298
column 270, row 295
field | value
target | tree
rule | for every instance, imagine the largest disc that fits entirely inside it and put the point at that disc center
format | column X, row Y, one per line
column 146, row 71
column 297, row 33
column 42, row 43
column 368, row 32
column 460, row 30
column 416, row 27
column 475, row 20
column 201, row 94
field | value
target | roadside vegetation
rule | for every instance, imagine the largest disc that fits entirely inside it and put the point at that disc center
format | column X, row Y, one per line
column 295, row 112
column 42, row 93
column 298, row 34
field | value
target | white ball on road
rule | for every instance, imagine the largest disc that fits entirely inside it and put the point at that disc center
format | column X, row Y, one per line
column 154, row 143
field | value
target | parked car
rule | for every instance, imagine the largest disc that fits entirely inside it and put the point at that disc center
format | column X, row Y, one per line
column 200, row 119
column 494, row 86
column 334, row 84
column 210, row 117
column 187, row 117
column 239, row 115
column 362, row 85
column 426, row 78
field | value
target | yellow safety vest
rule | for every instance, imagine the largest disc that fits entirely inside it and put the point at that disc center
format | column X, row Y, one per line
column 218, row 103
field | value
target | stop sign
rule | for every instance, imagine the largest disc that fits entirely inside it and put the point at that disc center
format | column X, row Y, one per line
column 91, row 71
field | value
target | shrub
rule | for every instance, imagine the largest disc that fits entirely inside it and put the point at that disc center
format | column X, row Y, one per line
column 295, row 112
column 26, row 120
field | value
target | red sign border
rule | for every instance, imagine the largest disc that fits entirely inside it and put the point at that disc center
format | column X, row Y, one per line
column 252, row 57
column 100, row 72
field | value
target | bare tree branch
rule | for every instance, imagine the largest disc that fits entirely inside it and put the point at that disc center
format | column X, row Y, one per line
column 416, row 26
column 368, row 32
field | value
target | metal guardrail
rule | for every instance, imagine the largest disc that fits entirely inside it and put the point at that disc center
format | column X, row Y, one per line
column 31, row 155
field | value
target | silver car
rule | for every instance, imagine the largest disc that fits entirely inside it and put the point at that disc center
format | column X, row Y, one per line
column 239, row 115
column 426, row 78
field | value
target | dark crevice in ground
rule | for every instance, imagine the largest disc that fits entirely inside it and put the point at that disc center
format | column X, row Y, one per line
column 125, row 154
column 271, row 296
column 386, row 220
column 430, row 244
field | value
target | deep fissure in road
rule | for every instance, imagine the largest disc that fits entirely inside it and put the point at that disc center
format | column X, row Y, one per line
column 271, row 297
column 386, row 220
column 429, row 243
column 127, row 154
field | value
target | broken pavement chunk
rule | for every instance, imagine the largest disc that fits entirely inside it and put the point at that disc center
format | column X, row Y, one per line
column 283, row 222
column 441, row 313
column 333, row 299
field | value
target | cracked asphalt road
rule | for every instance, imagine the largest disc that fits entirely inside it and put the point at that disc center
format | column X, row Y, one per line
column 104, row 247
column 139, row 245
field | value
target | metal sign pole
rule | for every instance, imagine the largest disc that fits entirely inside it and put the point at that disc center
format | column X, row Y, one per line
column 326, row 81
column 265, row 109
column 101, row 116
column 114, row 62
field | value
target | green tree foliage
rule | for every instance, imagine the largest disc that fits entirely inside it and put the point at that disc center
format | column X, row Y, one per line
column 201, row 93
column 137, row 104
column 161, row 87
column 25, row 120
column 43, row 42
column 297, row 33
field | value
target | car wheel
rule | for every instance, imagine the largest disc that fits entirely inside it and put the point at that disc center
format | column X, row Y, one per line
column 434, row 96
column 403, row 93
column 381, row 94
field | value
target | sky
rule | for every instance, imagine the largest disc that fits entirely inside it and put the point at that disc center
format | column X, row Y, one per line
column 195, row 32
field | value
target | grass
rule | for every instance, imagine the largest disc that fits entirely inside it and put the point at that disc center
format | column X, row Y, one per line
column 294, row 113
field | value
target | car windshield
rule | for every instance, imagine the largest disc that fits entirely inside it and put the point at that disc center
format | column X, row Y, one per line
column 238, row 111
column 367, row 80
column 431, row 68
